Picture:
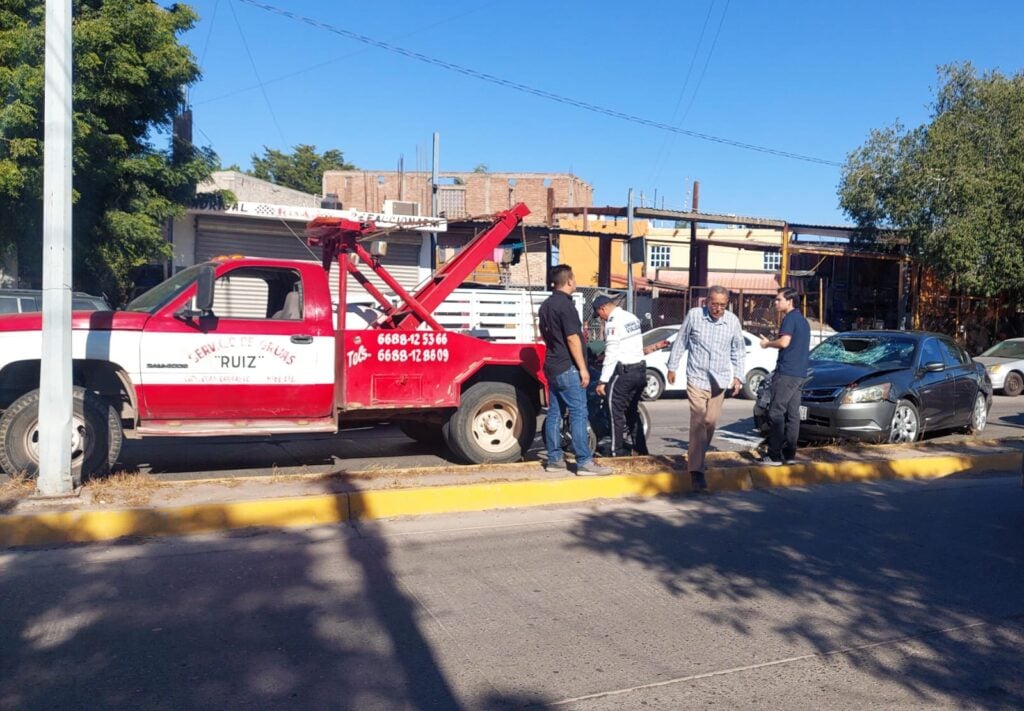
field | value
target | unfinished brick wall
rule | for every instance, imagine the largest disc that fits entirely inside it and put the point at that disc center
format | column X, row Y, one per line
column 484, row 193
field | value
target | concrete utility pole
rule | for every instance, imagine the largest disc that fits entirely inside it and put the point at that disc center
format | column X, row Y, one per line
column 55, row 411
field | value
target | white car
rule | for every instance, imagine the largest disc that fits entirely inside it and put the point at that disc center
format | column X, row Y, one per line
column 1004, row 363
column 758, row 362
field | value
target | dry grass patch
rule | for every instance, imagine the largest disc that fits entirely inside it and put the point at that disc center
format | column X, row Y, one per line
column 123, row 488
column 16, row 487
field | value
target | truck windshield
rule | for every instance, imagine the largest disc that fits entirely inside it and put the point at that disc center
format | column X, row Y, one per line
column 164, row 292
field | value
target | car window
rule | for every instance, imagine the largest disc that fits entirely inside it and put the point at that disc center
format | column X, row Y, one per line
column 8, row 305
column 932, row 353
column 1007, row 349
column 659, row 334
column 951, row 355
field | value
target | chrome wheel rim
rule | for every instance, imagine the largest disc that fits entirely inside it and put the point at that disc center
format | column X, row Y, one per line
column 904, row 425
column 496, row 427
column 651, row 386
column 755, row 381
column 980, row 416
column 81, row 442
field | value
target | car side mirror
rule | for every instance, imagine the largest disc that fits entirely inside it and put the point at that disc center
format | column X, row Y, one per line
column 934, row 367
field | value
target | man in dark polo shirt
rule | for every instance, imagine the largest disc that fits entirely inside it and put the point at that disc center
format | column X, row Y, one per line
column 794, row 343
column 565, row 367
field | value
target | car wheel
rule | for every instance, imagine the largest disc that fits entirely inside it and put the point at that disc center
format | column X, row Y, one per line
column 979, row 415
column 906, row 424
column 754, row 379
column 1013, row 385
column 654, row 387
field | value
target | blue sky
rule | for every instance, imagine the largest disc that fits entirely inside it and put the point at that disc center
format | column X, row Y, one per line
column 810, row 78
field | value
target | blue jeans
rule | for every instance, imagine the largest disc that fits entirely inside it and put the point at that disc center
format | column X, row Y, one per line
column 567, row 393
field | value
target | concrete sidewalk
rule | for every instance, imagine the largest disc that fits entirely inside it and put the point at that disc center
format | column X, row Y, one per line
column 139, row 506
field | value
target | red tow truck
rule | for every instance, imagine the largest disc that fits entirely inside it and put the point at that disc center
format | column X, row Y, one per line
column 249, row 346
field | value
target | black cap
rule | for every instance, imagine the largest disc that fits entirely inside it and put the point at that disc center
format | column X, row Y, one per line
column 601, row 301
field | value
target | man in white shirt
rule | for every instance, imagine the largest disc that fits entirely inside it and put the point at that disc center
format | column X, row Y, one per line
column 623, row 376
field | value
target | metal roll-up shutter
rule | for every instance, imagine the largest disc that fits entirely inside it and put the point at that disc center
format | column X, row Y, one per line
column 219, row 235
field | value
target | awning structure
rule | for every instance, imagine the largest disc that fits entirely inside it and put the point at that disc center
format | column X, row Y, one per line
column 751, row 282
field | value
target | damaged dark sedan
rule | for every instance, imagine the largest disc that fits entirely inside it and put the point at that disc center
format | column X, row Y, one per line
column 889, row 386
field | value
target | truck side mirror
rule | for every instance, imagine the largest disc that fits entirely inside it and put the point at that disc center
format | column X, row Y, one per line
column 204, row 289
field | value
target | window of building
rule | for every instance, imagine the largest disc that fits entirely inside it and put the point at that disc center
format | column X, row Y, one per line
column 661, row 256
column 772, row 261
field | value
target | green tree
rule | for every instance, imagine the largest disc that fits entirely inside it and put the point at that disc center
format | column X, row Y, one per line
column 130, row 73
column 301, row 170
column 954, row 186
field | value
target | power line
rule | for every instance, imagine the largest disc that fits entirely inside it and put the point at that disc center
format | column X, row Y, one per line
column 255, row 71
column 490, row 78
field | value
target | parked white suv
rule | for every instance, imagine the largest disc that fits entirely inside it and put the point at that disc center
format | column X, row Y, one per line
column 758, row 362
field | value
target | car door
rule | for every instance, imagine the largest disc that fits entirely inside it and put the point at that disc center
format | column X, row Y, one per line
column 936, row 389
column 958, row 363
column 260, row 355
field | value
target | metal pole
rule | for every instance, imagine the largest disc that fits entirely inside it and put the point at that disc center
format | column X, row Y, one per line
column 821, row 309
column 433, row 198
column 785, row 256
column 55, row 409
column 629, row 252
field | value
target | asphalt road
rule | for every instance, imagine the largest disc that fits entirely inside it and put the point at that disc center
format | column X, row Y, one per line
column 875, row 596
column 384, row 446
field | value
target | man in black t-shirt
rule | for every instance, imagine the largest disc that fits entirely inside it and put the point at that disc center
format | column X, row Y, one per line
column 794, row 343
column 565, row 368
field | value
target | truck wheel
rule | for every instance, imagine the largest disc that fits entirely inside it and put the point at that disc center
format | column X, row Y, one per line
column 494, row 423
column 1013, row 385
column 754, row 378
column 425, row 432
column 96, row 436
column 654, row 386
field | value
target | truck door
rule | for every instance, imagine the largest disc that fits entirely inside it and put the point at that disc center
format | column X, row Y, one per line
column 260, row 355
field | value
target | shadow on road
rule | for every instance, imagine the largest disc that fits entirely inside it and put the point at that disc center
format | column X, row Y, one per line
column 304, row 619
column 855, row 576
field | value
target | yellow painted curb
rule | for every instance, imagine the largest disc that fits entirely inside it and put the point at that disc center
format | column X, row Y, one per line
column 810, row 473
column 87, row 526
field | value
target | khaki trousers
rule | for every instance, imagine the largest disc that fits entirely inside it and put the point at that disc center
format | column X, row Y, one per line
column 705, row 409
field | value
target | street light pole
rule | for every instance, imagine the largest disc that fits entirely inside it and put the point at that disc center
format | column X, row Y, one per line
column 55, row 411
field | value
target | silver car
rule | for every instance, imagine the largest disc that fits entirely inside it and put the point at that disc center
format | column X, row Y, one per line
column 1005, row 365
column 20, row 301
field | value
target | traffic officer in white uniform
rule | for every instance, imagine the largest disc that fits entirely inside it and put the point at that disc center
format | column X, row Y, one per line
column 623, row 375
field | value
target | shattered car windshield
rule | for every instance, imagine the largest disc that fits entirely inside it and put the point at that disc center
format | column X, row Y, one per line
column 879, row 352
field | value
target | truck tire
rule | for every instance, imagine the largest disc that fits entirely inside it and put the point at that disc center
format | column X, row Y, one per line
column 495, row 423
column 425, row 432
column 96, row 436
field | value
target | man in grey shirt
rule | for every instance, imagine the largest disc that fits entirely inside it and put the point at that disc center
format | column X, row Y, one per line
column 711, row 336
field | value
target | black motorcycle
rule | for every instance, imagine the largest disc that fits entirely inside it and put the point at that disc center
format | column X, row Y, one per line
column 599, row 425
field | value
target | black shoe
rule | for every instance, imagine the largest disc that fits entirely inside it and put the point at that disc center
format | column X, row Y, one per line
column 698, row 483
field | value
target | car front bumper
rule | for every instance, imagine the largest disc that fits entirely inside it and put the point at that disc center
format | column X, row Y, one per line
column 868, row 421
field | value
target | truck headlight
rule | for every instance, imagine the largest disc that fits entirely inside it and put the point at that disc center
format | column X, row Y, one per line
column 994, row 368
column 872, row 393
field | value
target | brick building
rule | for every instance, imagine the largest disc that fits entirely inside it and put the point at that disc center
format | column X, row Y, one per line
column 460, row 195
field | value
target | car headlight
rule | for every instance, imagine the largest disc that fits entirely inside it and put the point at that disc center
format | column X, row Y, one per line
column 872, row 393
column 994, row 368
